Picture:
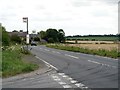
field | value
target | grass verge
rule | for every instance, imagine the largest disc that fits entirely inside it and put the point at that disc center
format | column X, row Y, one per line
column 101, row 52
column 13, row 64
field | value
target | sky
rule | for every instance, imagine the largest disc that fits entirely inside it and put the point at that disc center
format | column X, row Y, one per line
column 75, row 17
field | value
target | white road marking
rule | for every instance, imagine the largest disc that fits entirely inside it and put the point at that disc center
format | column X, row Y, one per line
column 47, row 63
column 54, row 76
column 67, row 86
column 101, row 64
column 61, row 73
column 58, row 79
column 79, row 84
column 40, row 48
column 64, row 76
column 73, row 81
column 94, row 62
column 64, row 84
column 56, row 52
column 69, row 78
column 72, row 56
column 61, row 83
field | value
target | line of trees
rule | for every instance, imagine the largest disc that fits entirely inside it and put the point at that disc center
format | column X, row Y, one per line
column 109, row 35
column 50, row 35
column 53, row 35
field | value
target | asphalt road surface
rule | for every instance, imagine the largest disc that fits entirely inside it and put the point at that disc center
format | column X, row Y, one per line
column 70, row 70
column 89, row 70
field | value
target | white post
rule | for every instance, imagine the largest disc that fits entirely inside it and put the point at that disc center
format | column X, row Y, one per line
column 27, row 38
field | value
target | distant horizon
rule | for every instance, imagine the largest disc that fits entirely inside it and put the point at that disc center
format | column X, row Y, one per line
column 70, row 35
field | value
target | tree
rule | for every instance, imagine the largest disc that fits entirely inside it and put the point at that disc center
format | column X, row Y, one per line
column 15, row 38
column 14, row 31
column 42, row 34
column 53, row 34
column 36, row 39
column 61, row 35
column 5, row 37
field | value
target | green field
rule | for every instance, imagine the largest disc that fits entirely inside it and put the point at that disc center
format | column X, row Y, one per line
column 93, row 38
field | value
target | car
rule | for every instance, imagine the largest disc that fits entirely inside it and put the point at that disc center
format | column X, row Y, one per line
column 33, row 44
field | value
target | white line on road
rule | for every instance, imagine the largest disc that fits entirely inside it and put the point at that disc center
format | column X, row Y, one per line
column 54, row 76
column 93, row 61
column 61, row 73
column 69, row 78
column 48, row 64
column 61, row 82
column 101, row 63
column 67, row 86
column 79, row 84
column 72, row 56
column 73, row 81
column 64, row 76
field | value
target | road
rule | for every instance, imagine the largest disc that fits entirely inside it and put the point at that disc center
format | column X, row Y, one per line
column 70, row 70
column 90, row 70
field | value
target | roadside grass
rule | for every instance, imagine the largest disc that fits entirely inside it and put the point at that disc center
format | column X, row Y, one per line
column 13, row 64
column 101, row 52
column 0, row 63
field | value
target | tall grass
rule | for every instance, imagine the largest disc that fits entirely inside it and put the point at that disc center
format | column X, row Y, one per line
column 101, row 52
column 13, row 64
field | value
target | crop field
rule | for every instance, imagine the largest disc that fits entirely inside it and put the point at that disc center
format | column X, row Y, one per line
column 96, row 46
column 90, row 42
column 107, row 50
column 93, row 38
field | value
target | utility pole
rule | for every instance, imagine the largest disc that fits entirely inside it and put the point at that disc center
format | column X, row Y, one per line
column 25, row 20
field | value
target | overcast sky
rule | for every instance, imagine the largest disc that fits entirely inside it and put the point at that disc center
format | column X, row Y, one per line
column 75, row 17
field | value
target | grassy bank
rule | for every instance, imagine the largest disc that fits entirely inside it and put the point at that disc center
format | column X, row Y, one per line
column 13, row 64
column 0, row 63
column 113, row 53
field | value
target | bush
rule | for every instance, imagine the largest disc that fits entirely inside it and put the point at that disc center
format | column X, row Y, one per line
column 24, row 50
column 15, row 38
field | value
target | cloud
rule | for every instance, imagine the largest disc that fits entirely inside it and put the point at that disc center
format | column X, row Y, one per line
column 73, row 16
